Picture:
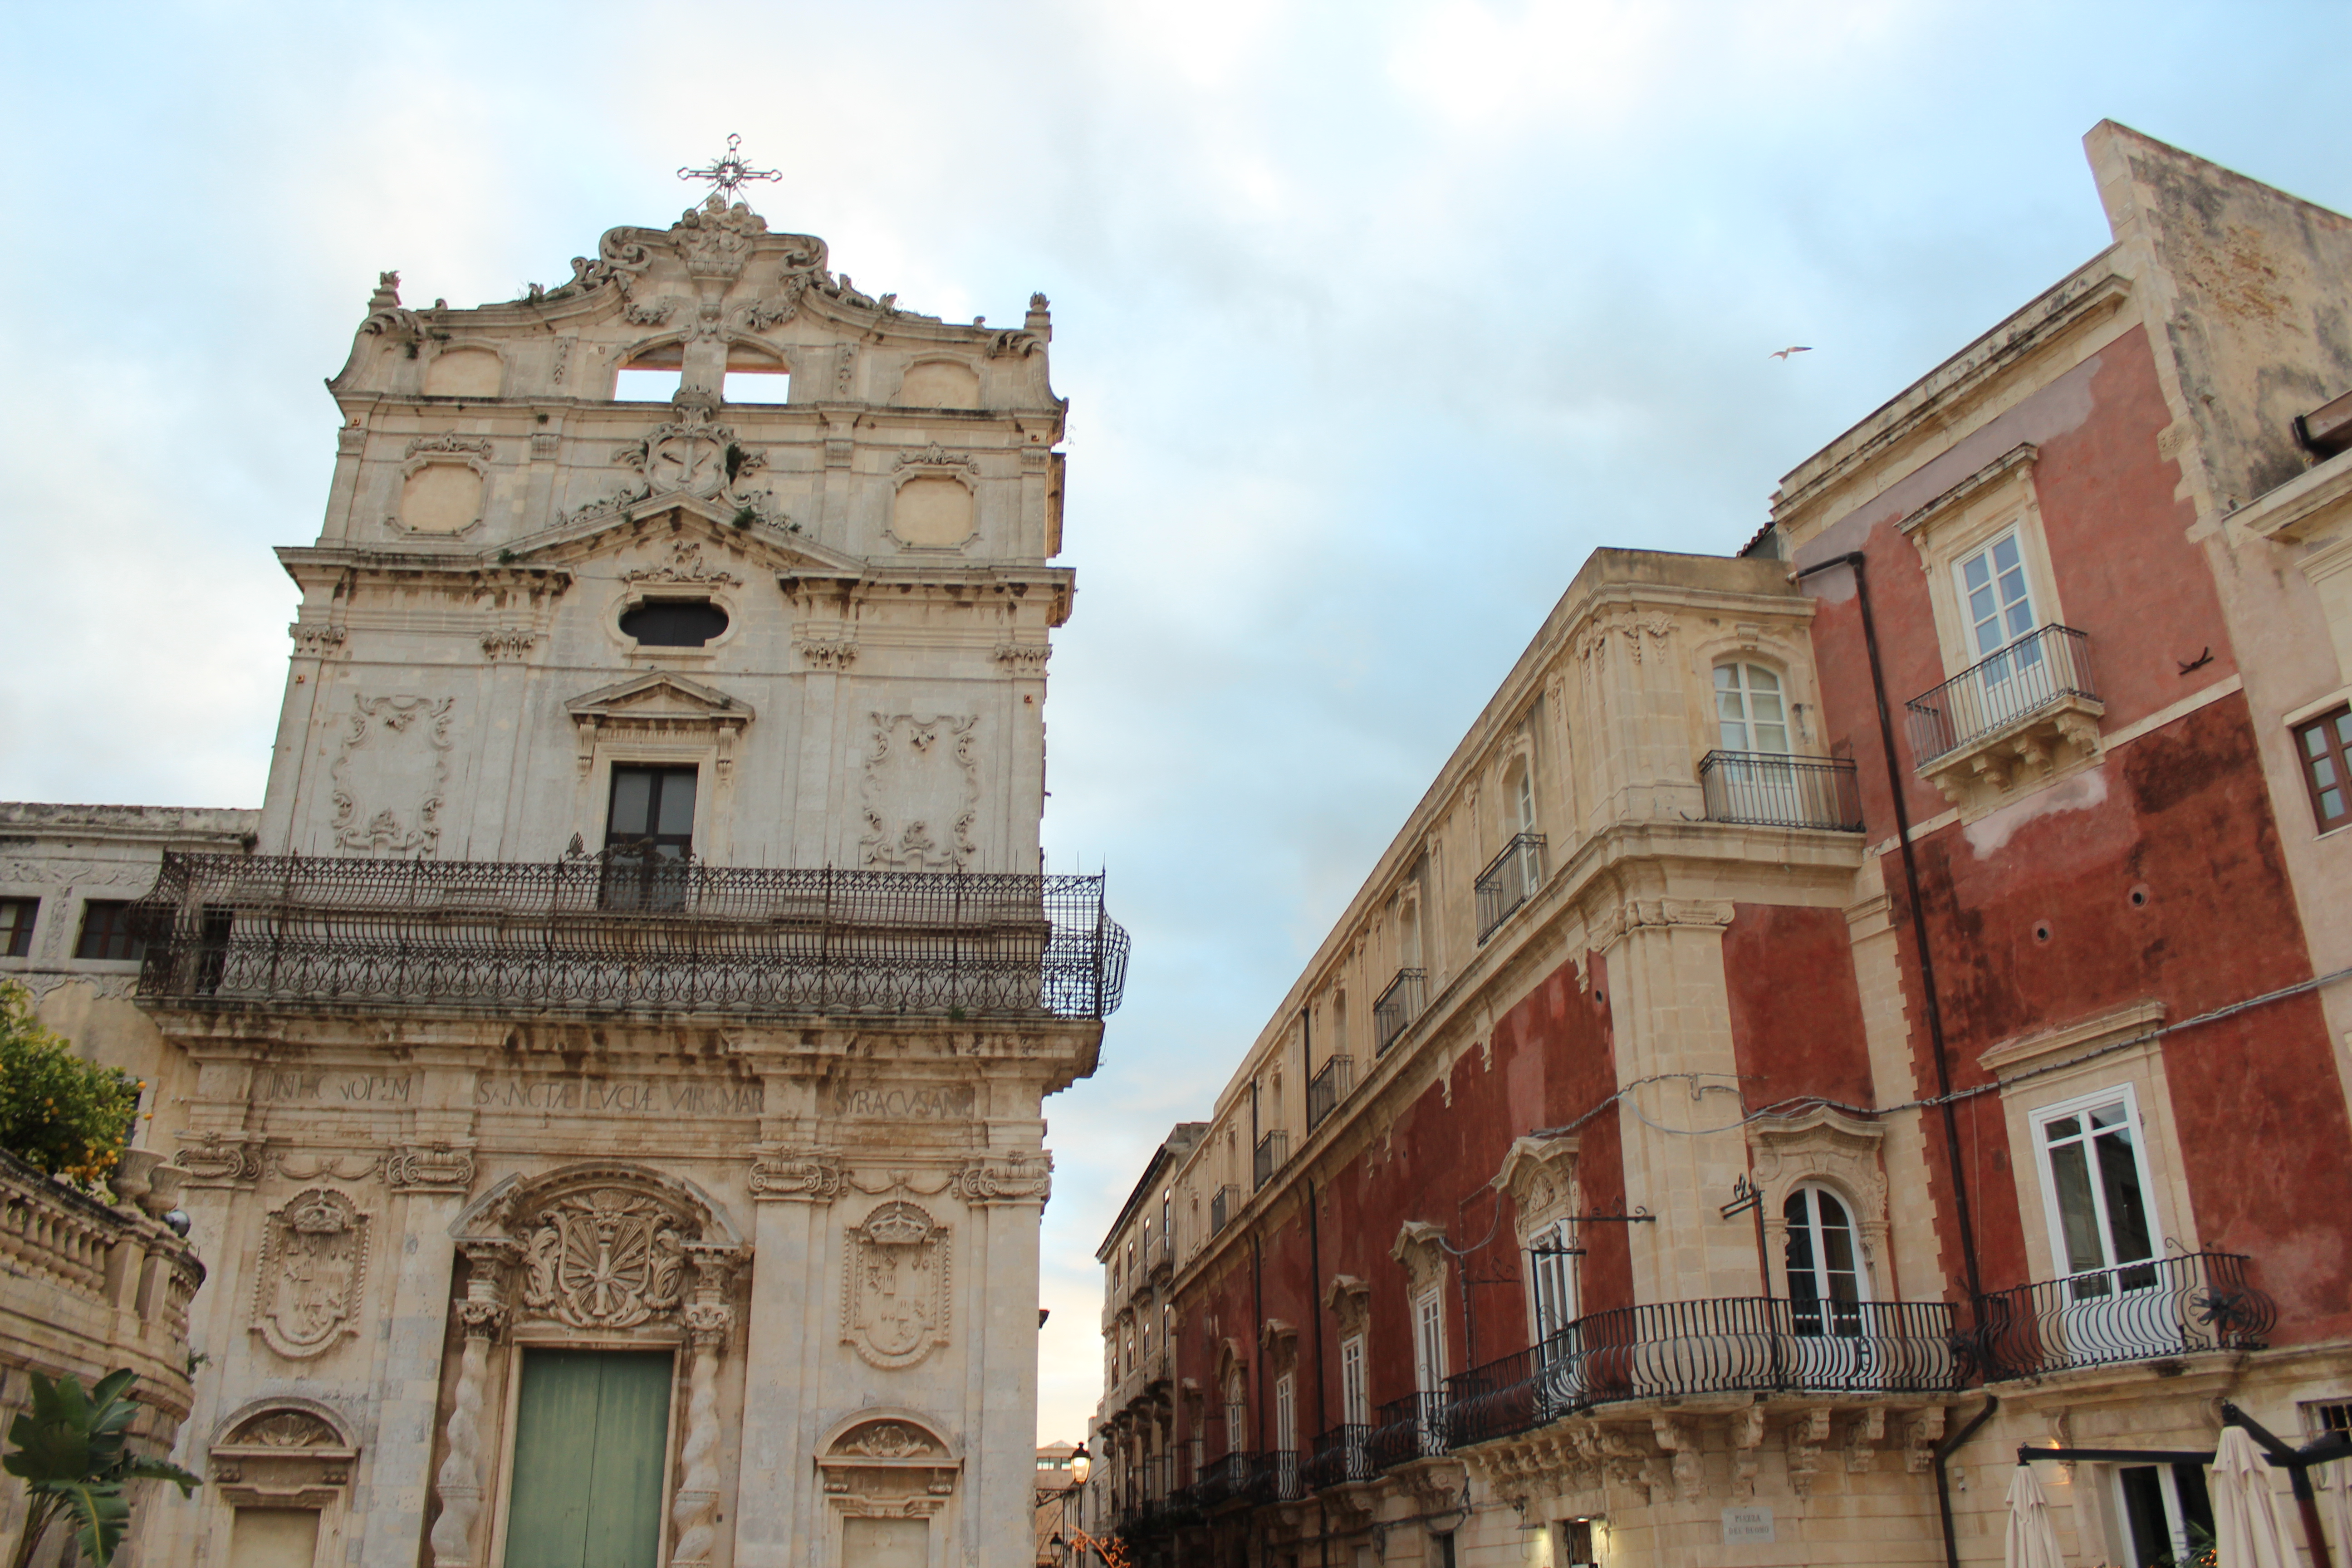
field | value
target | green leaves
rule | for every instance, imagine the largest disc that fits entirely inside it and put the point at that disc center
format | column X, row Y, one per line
column 60, row 1114
column 71, row 1450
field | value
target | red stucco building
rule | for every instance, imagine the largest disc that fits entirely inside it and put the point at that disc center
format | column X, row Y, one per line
column 1843, row 1011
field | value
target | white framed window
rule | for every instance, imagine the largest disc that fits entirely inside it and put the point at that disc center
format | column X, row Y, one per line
column 1751, row 710
column 2096, row 1191
column 1285, row 1414
column 1826, row 1283
column 1429, row 1341
column 1355, row 1403
column 1995, row 598
column 1236, row 1416
column 1551, row 1269
column 1131, row 1346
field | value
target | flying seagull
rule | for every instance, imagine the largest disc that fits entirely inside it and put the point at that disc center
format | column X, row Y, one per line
column 1795, row 349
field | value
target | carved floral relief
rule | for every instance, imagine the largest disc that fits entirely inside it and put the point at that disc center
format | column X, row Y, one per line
column 314, row 1269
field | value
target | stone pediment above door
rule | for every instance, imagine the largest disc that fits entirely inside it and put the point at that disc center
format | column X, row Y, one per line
column 659, row 706
column 652, row 526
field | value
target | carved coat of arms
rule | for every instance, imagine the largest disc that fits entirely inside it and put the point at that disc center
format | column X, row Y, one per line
column 894, row 1309
column 604, row 1260
column 313, row 1266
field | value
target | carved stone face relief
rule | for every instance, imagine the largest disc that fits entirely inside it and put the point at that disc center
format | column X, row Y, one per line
column 313, row 1268
column 390, row 774
column 894, row 1309
column 609, row 1258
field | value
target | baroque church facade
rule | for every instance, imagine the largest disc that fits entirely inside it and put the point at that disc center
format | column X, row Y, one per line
column 608, row 1069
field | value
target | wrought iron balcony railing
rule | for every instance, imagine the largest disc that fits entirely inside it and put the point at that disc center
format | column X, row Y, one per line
column 1327, row 1087
column 2030, row 676
column 602, row 932
column 1731, row 1345
column 1341, row 1455
column 2141, row 1311
column 1413, row 1427
column 1509, row 880
column 1222, row 1480
column 1273, row 1476
column 1273, row 1153
column 1399, row 1006
column 1223, row 1207
column 1768, row 790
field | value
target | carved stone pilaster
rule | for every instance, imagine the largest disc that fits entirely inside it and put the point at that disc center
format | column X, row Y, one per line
column 710, row 1321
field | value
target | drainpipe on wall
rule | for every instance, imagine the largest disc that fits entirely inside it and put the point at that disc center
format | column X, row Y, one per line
column 1935, row 1012
column 1258, row 1346
column 1944, row 1451
column 1314, row 1283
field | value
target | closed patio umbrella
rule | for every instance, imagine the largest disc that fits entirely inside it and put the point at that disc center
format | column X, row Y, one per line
column 2246, row 1531
column 2033, row 1539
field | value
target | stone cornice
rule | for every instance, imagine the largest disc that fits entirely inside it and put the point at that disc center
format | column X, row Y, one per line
column 2286, row 513
column 2088, row 293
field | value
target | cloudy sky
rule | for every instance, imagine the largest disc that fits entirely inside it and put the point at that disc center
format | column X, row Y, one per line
column 1375, row 319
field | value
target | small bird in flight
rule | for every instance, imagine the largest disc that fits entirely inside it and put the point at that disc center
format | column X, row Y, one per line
column 1794, row 349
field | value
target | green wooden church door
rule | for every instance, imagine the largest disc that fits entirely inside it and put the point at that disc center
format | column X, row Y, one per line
column 590, row 1437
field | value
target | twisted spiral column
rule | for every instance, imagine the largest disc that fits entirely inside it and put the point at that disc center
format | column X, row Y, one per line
column 483, row 1314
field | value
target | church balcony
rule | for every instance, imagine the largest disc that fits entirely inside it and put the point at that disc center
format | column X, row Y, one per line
column 2157, row 1310
column 1674, row 1350
column 627, row 934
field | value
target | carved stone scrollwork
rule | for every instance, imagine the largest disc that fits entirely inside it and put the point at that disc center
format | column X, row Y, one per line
column 920, row 791
column 894, row 1306
column 1921, row 1435
column 1018, row 1180
column 508, row 642
column 429, row 1168
column 1864, row 1433
column 785, row 1176
column 1747, row 1438
column 212, row 1159
column 1022, row 659
column 1678, row 1439
column 1807, row 1434
column 314, row 1269
column 936, row 456
column 398, row 748
column 684, row 563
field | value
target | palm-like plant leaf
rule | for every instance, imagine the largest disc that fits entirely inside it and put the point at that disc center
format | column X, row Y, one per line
column 71, row 1451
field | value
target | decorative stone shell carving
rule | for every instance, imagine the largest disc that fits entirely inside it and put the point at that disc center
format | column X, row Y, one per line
column 894, row 1305
column 605, row 1259
column 314, row 1269
column 920, row 793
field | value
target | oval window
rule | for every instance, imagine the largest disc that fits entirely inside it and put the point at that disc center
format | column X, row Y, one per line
column 674, row 623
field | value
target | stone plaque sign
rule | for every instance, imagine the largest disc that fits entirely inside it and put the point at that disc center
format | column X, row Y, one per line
column 1748, row 1523
column 327, row 1086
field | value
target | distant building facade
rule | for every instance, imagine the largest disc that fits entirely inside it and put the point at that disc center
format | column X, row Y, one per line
column 607, row 1068
column 1845, row 1011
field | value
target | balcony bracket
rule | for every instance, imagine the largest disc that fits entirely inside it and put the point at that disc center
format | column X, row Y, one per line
column 2052, row 744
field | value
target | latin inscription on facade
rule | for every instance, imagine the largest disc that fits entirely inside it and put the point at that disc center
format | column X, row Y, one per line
column 951, row 1102
column 327, row 1086
column 647, row 1097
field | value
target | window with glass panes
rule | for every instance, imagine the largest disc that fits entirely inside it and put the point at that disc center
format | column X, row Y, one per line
column 1355, row 1405
column 1824, row 1275
column 2099, row 1190
column 1550, row 1258
column 2324, row 745
column 106, row 931
column 1995, row 597
column 1750, row 711
column 17, row 916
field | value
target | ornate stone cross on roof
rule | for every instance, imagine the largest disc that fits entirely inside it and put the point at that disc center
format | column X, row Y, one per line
column 729, row 175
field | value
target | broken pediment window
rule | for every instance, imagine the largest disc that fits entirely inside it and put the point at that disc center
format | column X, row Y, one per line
column 674, row 623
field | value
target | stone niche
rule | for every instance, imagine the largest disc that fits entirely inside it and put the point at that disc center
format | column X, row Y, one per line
column 887, row 1478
